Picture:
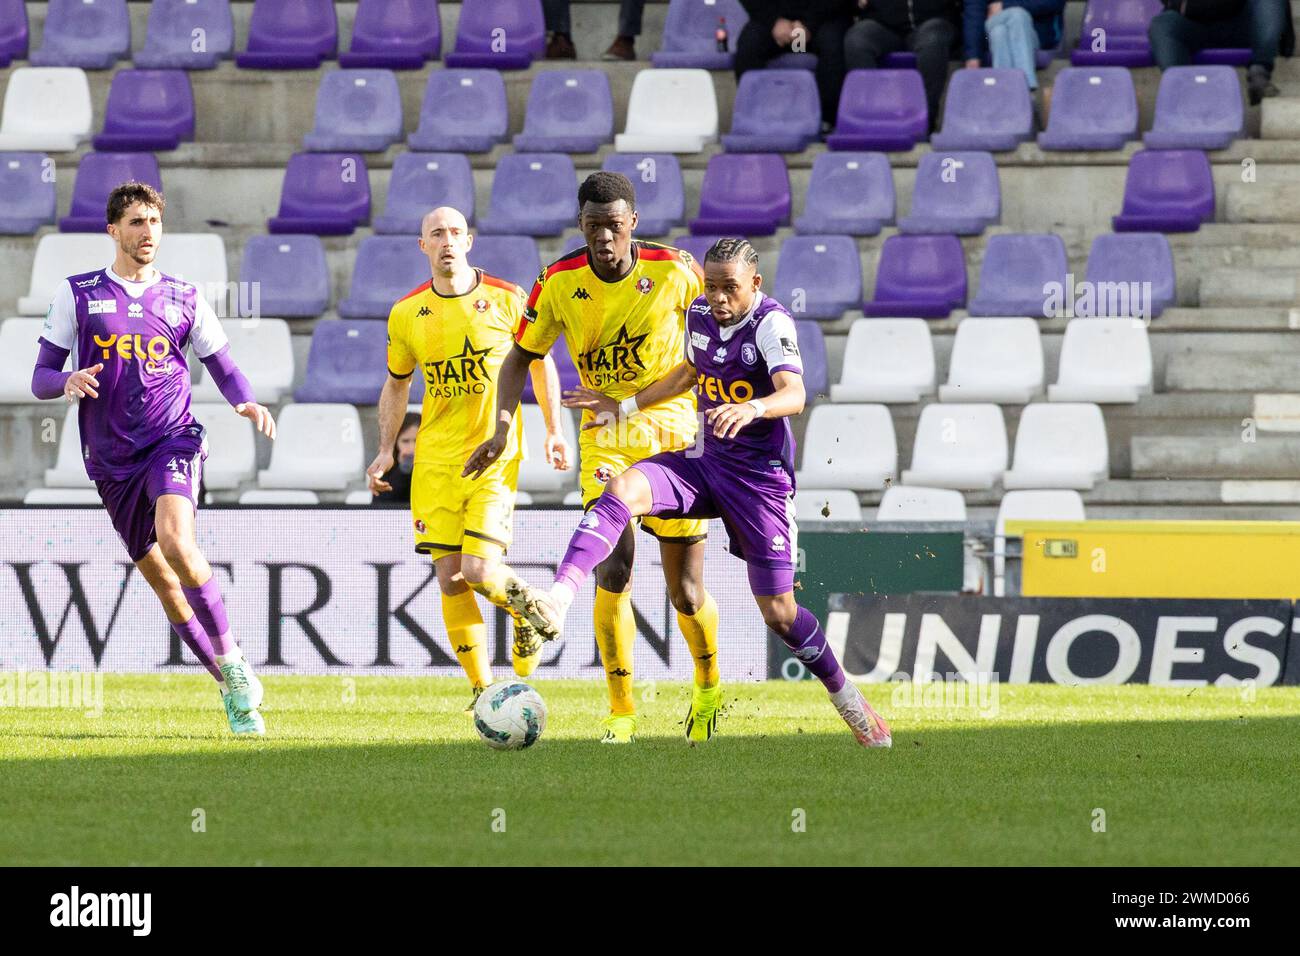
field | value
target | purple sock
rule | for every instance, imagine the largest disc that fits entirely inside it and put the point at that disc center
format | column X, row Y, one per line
column 211, row 613
column 196, row 639
column 807, row 642
column 594, row 539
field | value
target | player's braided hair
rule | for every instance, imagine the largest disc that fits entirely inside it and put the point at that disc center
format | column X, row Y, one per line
column 127, row 194
column 733, row 250
column 606, row 187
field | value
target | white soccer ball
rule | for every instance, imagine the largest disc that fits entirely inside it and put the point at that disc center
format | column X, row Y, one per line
column 510, row 715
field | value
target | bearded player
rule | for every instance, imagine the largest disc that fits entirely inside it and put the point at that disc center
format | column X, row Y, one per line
column 742, row 359
column 127, row 327
column 621, row 304
column 457, row 328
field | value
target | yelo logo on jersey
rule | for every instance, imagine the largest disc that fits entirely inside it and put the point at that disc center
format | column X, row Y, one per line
column 155, row 352
column 718, row 390
column 617, row 361
column 462, row 374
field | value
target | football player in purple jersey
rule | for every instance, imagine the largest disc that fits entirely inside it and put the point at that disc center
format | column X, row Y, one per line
column 742, row 359
column 126, row 328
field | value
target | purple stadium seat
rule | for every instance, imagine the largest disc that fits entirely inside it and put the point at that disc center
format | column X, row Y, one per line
column 90, row 34
column 776, row 111
column 919, row 277
column 569, row 376
column 148, row 110
column 1167, row 190
column 533, row 194
column 13, row 31
column 569, row 111
column 985, row 109
column 1222, row 56
column 513, row 258
column 745, row 194
column 170, row 39
column 386, row 268
column 326, row 194
column 690, row 34
column 290, row 274
column 818, row 277
column 849, row 194
column 499, row 35
column 356, row 110
column 1114, row 33
column 27, row 198
column 463, row 111
column 1198, row 107
column 290, row 35
column 98, row 175
column 793, row 61
column 348, row 362
column 880, row 110
column 906, row 59
column 955, row 192
column 812, row 349
column 424, row 181
column 1134, row 257
column 697, row 246
column 660, row 194
column 1092, row 108
column 1016, row 268
column 394, row 35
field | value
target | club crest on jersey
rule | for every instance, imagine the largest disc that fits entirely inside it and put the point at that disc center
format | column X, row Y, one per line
column 420, row 526
column 603, row 474
column 748, row 353
column 480, row 306
column 645, row 284
column 172, row 314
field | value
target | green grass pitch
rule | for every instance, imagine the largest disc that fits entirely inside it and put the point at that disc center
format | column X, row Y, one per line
column 397, row 776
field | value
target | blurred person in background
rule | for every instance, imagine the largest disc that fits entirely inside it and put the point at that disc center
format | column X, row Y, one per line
column 398, row 478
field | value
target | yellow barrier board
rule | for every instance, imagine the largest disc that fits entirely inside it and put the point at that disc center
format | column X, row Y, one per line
column 1169, row 559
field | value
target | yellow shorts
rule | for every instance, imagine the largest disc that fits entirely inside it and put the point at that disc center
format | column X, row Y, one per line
column 452, row 514
column 601, row 462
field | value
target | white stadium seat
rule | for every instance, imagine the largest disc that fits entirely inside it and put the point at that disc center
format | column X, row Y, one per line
column 69, row 470
column 523, row 499
column 670, row 111
column 1060, row 446
column 359, row 498
column 46, row 109
column 198, row 258
column 1103, row 360
column 317, row 447
column 18, row 351
column 829, row 504
column 911, row 503
column 62, row 496
column 263, row 350
column 59, row 255
column 572, row 500
column 886, row 360
column 849, row 446
column 1055, row 505
column 279, row 496
column 535, row 472
column 958, row 446
column 995, row 360
column 232, row 454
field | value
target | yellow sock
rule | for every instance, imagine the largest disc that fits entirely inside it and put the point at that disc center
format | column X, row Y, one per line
column 493, row 586
column 701, row 632
column 468, row 636
column 615, row 632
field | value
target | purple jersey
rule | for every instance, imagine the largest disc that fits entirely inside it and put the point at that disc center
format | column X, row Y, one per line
column 139, row 331
column 736, row 364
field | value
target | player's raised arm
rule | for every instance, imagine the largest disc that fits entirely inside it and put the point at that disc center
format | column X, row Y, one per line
column 546, row 387
column 679, row 380
column 57, row 337
column 787, row 400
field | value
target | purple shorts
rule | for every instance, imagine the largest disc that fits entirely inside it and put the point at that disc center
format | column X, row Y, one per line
column 174, row 467
column 756, row 505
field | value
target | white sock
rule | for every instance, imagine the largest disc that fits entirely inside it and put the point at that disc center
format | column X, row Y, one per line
column 845, row 695
column 233, row 657
column 562, row 595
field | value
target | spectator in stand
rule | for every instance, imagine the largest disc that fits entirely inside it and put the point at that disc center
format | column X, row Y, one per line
column 398, row 478
column 929, row 28
column 1185, row 27
column 629, row 28
column 1010, row 32
column 798, row 26
column 559, row 31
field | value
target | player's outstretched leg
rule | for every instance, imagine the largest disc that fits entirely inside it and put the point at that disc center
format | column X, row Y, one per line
column 697, row 616
column 465, row 628
column 798, row 628
column 496, row 581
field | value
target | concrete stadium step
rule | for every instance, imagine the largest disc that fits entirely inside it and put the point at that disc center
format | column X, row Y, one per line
column 1275, row 200
column 1271, row 288
column 1219, row 456
column 1234, row 371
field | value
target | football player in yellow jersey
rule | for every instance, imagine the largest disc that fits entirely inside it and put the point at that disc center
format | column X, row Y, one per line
column 621, row 305
column 457, row 328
